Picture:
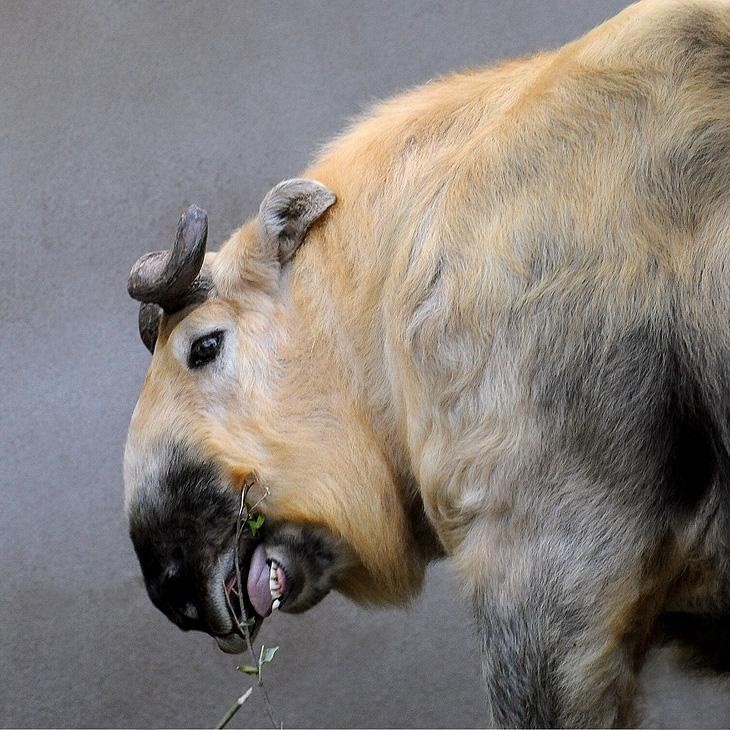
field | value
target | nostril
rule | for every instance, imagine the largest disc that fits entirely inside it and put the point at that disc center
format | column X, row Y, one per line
column 171, row 583
column 189, row 611
column 172, row 574
column 188, row 618
column 177, row 556
column 177, row 593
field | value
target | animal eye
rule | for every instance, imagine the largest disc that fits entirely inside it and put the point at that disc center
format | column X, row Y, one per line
column 205, row 349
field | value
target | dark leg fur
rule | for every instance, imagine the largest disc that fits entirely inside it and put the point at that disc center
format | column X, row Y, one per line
column 560, row 647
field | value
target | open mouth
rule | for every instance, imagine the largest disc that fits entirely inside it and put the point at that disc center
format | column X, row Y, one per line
column 265, row 590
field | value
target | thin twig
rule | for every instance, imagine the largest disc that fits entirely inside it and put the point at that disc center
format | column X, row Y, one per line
column 239, row 587
column 244, row 626
column 266, row 494
column 235, row 707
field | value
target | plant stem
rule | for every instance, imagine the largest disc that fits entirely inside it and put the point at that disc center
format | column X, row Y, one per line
column 235, row 707
column 243, row 627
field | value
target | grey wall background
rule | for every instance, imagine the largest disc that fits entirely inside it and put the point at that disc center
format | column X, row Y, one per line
column 112, row 118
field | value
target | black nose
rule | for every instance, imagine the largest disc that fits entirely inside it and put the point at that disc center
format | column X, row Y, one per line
column 181, row 520
column 173, row 589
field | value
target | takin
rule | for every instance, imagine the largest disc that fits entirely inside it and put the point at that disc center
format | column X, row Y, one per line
column 490, row 322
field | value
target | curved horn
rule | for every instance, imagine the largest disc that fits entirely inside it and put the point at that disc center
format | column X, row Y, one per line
column 164, row 277
column 149, row 323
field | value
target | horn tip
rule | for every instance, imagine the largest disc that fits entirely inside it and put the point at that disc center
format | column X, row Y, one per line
column 195, row 212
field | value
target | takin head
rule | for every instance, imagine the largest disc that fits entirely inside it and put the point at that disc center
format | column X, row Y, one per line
column 231, row 411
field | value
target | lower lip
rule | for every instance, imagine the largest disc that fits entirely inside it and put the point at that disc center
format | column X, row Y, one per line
column 231, row 643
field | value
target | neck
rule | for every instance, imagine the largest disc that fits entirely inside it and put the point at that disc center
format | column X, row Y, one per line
column 335, row 455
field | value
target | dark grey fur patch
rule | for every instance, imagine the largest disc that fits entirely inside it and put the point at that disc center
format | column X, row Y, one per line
column 520, row 663
column 630, row 414
column 689, row 447
column 681, row 182
column 705, row 44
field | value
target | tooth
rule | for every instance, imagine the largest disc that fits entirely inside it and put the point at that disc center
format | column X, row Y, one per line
column 275, row 605
column 275, row 593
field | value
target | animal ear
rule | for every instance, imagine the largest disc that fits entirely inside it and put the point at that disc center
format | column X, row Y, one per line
column 289, row 210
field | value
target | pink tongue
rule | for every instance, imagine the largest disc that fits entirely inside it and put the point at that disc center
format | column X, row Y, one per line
column 257, row 583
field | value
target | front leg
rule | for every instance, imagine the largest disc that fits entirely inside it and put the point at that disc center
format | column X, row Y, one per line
column 563, row 628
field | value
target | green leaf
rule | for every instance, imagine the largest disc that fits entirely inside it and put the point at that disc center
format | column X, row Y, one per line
column 267, row 654
column 248, row 669
column 255, row 523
